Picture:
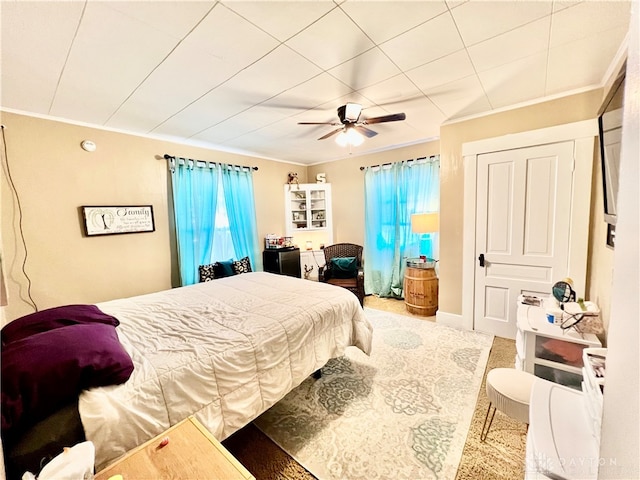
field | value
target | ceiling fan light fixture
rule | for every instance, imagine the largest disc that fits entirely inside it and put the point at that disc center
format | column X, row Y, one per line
column 349, row 137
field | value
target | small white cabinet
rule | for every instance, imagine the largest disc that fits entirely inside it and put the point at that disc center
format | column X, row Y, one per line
column 548, row 351
column 307, row 208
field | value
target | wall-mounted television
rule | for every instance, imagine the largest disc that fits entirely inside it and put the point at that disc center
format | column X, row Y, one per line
column 610, row 132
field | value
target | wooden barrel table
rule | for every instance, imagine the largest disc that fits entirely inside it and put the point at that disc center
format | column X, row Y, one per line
column 421, row 291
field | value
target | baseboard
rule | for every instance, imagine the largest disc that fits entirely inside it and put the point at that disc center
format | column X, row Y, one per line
column 450, row 320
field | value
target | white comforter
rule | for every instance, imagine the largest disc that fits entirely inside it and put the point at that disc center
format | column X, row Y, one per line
column 224, row 351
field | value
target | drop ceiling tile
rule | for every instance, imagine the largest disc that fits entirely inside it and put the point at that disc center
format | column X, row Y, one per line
column 389, row 93
column 478, row 21
column 330, row 41
column 443, row 70
column 587, row 19
column 516, row 82
column 174, row 18
column 213, row 108
column 284, row 106
column 282, row 19
column 382, row 21
column 252, row 85
column 277, row 72
column 425, row 43
column 582, row 63
column 197, row 65
column 230, row 38
column 511, row 46
column 308, row 95
column 227, row 130
column 35, row 39
column 460, row 98
column 423, row 115
column 562, row 4
column 398, row 95
column 180, row 80
column 366, row 69
column 455, row 3
column 111, row 55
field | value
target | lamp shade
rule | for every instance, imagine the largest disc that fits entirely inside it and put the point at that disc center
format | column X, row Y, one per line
column 425, row 222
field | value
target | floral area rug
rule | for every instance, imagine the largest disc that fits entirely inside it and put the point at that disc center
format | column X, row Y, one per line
column 401, row 413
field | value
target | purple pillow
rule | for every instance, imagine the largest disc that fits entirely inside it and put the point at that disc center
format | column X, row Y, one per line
column 52, row 318
column 45, row 371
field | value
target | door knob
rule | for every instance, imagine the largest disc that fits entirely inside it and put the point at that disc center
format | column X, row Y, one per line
column 481, row 259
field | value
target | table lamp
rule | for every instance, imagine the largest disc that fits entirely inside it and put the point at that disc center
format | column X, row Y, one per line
column 426, row 224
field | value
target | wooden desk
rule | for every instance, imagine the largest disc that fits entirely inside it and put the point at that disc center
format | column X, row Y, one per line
column 192, row 453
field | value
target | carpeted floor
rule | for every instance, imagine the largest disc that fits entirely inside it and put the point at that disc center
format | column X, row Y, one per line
column 500, row 457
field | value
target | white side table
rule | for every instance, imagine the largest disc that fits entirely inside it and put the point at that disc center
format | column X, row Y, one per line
column 548, row 351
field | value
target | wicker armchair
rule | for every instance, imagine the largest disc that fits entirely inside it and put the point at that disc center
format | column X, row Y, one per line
column 354, row 284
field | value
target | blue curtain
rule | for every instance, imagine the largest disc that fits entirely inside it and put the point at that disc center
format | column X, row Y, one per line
column 195, row 193
column 392, row 194
column 237, row 186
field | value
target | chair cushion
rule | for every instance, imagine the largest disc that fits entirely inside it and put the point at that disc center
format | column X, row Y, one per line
column 345, row 267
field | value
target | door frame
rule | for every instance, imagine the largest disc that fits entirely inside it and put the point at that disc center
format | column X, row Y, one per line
column 583, row 134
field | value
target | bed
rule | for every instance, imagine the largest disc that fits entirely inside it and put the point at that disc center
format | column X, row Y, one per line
column 224, row 351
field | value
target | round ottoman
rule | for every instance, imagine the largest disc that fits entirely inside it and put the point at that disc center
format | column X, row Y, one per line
column 508, row 390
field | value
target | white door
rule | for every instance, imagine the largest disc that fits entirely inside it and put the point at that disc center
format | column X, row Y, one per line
column 523, row 216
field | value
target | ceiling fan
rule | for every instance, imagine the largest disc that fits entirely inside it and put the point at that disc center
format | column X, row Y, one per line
column 351, row 124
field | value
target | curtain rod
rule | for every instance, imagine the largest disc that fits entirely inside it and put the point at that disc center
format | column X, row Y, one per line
column 171, row 157
column 401, row 161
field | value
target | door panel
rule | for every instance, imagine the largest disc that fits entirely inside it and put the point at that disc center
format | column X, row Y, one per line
column 523, row 223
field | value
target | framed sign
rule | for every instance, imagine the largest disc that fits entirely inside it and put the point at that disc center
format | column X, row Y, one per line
column 118, row 219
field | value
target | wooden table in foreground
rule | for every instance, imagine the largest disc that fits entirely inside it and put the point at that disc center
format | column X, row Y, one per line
column 192, row 453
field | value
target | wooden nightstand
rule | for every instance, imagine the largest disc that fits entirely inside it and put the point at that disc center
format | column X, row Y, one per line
column 421, row 290
column 192, row 452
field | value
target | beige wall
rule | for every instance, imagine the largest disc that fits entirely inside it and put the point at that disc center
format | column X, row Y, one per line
column 53, row 177
column 600, row 263
column 452, row 137
column 347, row 186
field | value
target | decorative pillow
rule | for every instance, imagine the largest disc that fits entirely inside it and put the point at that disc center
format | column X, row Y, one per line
column 46, row 371
column 206, row 273
column 223, row 269
column 242, row 266
column 346, row 267
column 53, row 318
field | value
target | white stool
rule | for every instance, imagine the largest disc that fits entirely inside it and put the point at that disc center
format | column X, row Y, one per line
column 508, row 390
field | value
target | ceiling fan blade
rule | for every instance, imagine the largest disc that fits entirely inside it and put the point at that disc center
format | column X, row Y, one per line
column 318, row 123
column 394, row 117
column 330, row 133
column 365, row 131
